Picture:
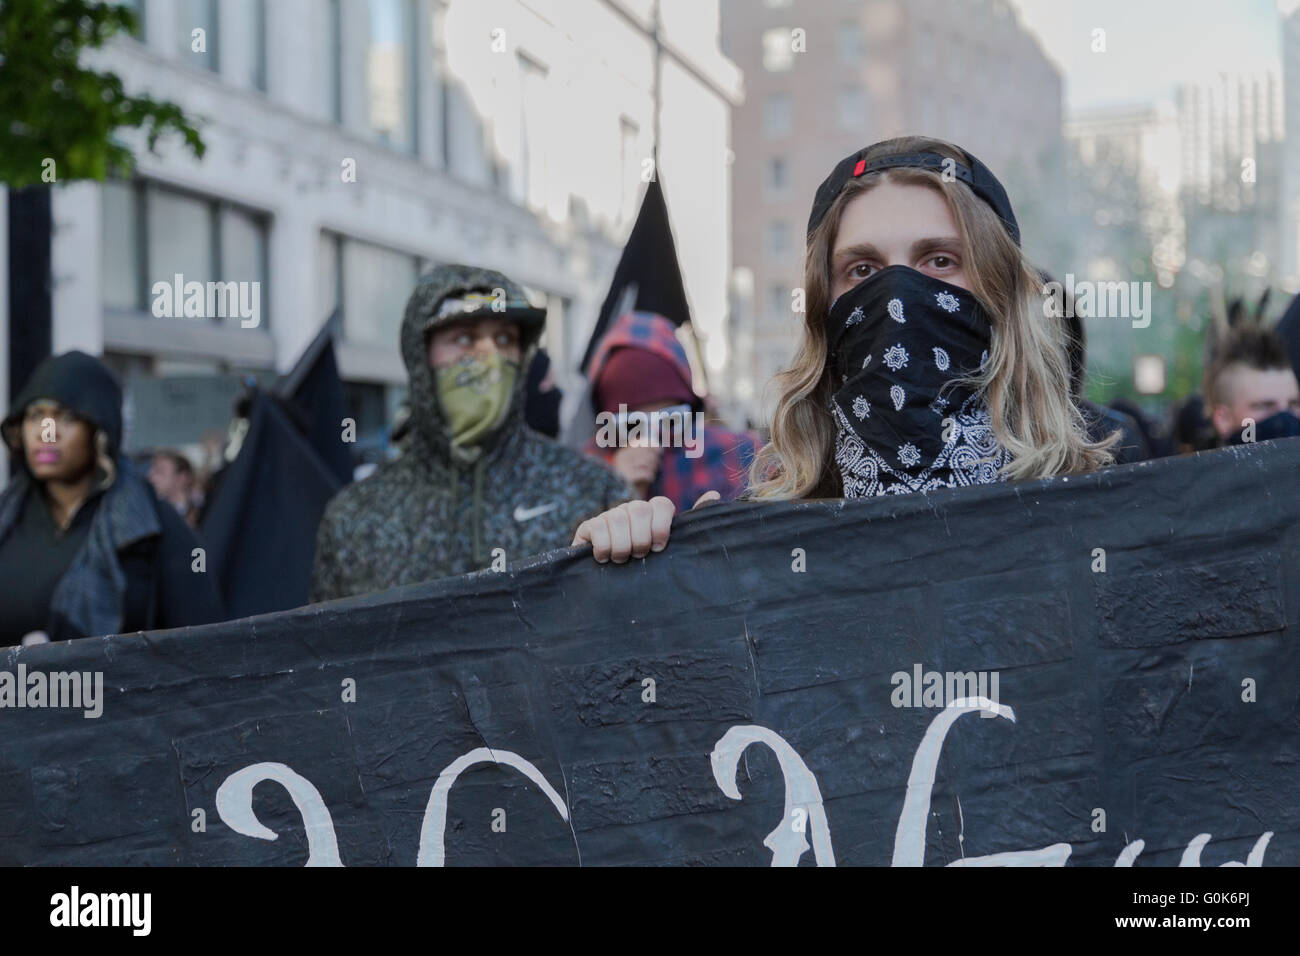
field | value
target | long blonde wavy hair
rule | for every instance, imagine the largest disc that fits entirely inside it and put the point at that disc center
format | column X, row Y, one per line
column 1025, row 385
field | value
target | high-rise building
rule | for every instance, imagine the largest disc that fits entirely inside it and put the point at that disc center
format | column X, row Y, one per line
column 352, row 144
column 1232, row 135
column 1289, row 204
column 1124, row 176
column 1123, row 215
column 1184, row 195
column 1223, row 124
column 824, row 79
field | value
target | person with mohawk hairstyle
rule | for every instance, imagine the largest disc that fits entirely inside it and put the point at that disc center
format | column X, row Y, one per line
column 1251, row 391
column 474, row 484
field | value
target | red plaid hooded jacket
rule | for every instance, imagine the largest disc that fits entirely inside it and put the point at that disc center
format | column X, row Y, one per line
column 724, row 464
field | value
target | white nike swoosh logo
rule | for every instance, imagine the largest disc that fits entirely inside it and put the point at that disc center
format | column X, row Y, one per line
column 523, row 514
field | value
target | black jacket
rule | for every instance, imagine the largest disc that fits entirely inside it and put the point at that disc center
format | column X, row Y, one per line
column 135, row 571
column 1132, row 446
column 136, row 568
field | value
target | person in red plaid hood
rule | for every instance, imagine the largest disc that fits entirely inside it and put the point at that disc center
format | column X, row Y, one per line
column 640, row 367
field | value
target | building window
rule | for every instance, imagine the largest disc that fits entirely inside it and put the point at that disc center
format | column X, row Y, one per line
column 778, row 175
column 180, row 233
column 778, row 49
column 367, row 405
column 563, row 338
column 851, row 108
column 121, row 223
column 778, row 238
column 329, row 278
column 241, row 246
column 444, row 111
column 390, row 67
column 152, row 234
column 334, row 57
column 777, row 115
column 848, row 43
column 136, row 7
column 778, row 300
column 258, row 79
column 928, row 113
column 373, row 285
column 528, row 184
column 193, row 16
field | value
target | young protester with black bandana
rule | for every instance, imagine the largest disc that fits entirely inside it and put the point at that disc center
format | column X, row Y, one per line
column 926, row 362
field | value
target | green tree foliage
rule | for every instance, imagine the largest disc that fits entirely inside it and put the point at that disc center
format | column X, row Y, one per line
column 52, row 108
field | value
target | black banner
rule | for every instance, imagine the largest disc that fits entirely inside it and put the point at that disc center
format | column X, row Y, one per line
column 1093, row 670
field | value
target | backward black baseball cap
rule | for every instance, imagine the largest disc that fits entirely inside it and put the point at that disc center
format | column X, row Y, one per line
column 973, row 173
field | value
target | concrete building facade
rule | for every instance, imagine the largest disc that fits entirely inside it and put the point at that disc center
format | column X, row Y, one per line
column 352, row 144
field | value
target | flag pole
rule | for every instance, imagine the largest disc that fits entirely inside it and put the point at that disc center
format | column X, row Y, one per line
column 658, row 79
column 692, row 345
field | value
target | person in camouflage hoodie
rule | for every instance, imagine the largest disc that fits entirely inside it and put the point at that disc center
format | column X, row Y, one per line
column 472, row 477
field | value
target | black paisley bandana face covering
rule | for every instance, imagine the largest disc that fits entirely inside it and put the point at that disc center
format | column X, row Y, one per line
column 896, row 340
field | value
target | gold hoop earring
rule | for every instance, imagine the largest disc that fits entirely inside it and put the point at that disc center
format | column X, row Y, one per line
column 104, row 461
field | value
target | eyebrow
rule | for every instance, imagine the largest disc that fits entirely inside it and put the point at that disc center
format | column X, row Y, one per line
column 865, row 250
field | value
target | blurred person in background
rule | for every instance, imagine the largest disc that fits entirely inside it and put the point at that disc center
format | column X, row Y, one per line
column 1251, row 392
column 542, row 398
column 213, row 446
column 227, row 447
column 1133, row 444
column 640, row 366
column 1152, row 430
column 86, row 548
column 1190, row 431
column 172, row 477
column 473, row 478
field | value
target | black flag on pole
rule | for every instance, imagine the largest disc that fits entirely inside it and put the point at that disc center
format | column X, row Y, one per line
column 260, row 526
column 261, row 519
column 648, row 277
column 316, row 391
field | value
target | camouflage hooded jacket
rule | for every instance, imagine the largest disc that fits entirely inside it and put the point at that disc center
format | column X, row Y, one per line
column 430, row 514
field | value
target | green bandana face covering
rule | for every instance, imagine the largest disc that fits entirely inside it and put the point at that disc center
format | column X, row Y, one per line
column 475, row 394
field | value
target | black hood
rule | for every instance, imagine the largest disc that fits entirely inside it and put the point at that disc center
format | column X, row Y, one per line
column 78, row 382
